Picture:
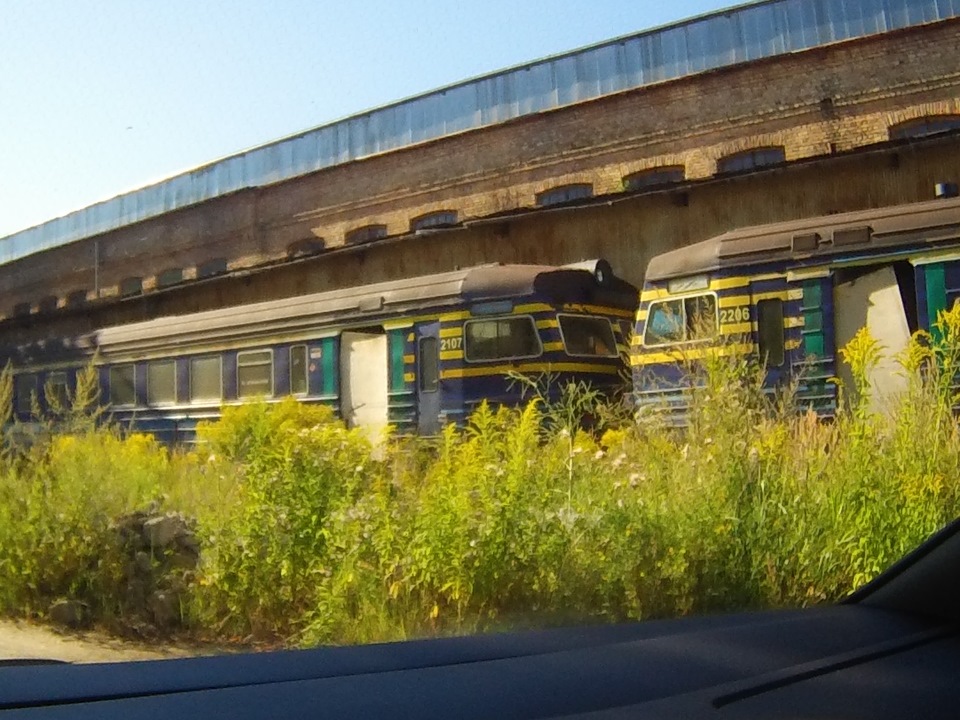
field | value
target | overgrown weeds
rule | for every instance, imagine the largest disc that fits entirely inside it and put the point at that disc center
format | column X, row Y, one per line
column 524, row 517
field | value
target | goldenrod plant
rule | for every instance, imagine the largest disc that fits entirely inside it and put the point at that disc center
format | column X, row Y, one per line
column 524, row 517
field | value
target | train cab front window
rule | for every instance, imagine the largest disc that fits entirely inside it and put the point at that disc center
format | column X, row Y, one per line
column 682, row 320
column 501, row 339
column 587, row 336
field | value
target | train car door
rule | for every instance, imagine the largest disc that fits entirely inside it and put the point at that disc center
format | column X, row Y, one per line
column 883, row 300
column 428, row 378
column 364, row 376
column 769, row 314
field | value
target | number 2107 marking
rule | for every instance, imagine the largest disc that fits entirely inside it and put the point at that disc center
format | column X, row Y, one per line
column 735, row 315
column 453, row 343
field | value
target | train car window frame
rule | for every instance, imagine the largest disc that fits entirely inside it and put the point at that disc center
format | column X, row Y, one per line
column 428, row 360
column 684, row 320
column 198, row 400
column 767, row 332
column 24, row 400
column 57, row 383
column 466, row 338
column 268, row 352
column 612, row 351
column 304, row 376
column 152, row 366
column 113, row 372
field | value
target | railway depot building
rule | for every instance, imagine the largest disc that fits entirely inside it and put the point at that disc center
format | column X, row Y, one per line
column 767, row 112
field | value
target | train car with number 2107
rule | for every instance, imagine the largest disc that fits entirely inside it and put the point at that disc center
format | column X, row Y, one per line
column 415, row 353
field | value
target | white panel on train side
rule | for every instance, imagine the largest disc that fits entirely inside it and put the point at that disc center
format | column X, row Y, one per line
column 364, row 374
column 874, row 301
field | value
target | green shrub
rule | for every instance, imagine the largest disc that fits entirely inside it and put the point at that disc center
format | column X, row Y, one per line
column 58, row 504
column 292, row 466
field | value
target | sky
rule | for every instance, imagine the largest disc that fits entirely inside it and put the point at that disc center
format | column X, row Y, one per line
column 98, row 97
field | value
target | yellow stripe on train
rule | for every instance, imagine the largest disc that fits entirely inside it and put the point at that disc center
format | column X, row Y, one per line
column 685, row 354
column 480, row 371
column 597, row 310
column 532, row 308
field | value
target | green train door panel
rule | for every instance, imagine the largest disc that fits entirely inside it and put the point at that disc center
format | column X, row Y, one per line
column 813, row 361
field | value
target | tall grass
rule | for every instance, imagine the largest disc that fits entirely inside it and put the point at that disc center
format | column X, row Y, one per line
column 524, row 517
column 60, row 495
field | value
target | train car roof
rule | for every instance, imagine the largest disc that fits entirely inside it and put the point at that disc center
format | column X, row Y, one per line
column 362, row 304
column 920, row 223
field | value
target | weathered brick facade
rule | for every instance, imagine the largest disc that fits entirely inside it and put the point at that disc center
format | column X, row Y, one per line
column 834, row 104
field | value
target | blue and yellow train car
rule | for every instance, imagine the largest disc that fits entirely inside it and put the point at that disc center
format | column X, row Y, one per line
column 793, row 294
column 415, row 354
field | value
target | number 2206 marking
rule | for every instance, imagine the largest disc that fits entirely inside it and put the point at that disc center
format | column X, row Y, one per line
column 453, row 343
column 735, row 315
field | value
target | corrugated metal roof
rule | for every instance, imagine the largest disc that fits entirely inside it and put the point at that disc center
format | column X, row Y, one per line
column 740, row 34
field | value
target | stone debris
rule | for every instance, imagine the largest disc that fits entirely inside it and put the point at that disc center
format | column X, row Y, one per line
column 162, row 532
column 163, row 551
column 69, row 613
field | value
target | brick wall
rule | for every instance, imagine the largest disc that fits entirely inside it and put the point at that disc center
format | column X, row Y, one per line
column 818, row 103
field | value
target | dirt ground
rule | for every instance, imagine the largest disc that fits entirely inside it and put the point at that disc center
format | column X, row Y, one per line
column 19, row 639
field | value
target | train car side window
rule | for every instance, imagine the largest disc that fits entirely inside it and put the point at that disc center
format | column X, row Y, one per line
column 162, row 382
column 26, row 387
column 55, row 390
column 770, row 332
column 501, row 339
column 588, row 336
column 255, row 373
column 682, row 320
column 298, row 370
column 429, row 368
column 122, row 387
column 206, row 379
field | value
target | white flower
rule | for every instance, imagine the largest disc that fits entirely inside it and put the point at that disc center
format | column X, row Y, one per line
column 568, row 518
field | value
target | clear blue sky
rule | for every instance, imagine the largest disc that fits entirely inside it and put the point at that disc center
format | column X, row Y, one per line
column 98, row 97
